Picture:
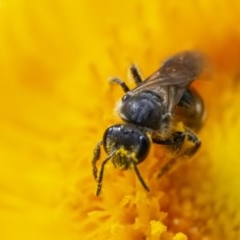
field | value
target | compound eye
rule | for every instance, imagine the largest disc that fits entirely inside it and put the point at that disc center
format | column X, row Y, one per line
column 144, row 147
column 125, row 97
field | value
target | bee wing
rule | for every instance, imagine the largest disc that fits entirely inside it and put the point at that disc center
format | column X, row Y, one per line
column 174, row 76
column 171, row 94
column 180, row 69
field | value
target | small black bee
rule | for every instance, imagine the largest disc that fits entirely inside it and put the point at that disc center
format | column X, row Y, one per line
column 151, row 112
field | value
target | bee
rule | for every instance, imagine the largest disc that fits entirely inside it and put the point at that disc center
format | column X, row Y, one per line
column 150, row 113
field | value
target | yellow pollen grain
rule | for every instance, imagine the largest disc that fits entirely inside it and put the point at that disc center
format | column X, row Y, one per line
column 180, row 236
column 157, row 228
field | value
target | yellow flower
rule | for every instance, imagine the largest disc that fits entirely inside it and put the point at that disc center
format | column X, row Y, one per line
column 56, row 102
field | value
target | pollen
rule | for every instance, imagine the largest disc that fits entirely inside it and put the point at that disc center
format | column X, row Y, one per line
column 126, row 155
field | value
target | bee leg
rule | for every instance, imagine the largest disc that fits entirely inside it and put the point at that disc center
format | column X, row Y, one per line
column 175, row 141
column 136, row 74
column 167, row 167
column 192, row 137
column 178, row 139
column 96, row 156
column 140, row 178
column 120, row 82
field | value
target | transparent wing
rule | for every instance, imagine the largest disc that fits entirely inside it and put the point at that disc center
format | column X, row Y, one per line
column 174, row 77
column 180, row 69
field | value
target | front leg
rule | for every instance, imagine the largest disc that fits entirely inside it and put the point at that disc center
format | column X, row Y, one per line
column 96, row 156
